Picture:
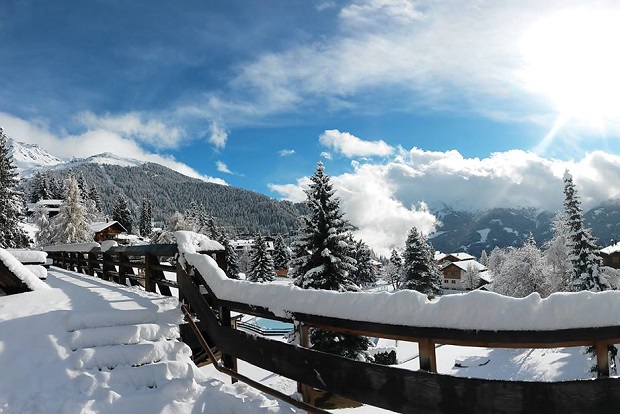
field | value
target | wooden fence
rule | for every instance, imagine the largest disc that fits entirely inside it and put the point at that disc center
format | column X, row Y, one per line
column 388, row 387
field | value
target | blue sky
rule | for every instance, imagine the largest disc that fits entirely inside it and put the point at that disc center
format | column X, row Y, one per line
column 253, row 94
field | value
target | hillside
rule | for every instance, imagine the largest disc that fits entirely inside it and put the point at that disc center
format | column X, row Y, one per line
column 235, row 209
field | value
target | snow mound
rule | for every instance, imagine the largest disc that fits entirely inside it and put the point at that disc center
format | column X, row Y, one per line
column 74, row 247
column 190, row 242
column 28, row 256
column 22, row 272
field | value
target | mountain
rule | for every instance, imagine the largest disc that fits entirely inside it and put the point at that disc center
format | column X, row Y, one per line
column 472, row 232
column 235, row 209
column 29, row 157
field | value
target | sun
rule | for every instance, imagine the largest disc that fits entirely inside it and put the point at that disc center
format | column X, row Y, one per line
column 573, row 58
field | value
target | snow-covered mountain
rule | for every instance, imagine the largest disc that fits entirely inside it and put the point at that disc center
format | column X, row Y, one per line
column 29, row 157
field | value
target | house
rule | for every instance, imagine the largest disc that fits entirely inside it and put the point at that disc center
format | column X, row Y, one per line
column 107, row 230
column 463, row 275
column 441, row 258
column 51, row 206
column 611, row 255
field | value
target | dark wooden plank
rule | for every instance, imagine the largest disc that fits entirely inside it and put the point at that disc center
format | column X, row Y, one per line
column 167, row 250
column 10, row 283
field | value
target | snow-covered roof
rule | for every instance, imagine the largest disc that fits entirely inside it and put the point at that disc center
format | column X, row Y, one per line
column 614, row 248
column 467, row 264
column 98, row 226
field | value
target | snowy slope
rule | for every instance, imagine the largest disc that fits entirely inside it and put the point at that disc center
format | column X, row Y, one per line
column 28, row 157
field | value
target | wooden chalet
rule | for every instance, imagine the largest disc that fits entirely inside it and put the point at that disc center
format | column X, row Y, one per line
column 611, row 255
column 106, row 230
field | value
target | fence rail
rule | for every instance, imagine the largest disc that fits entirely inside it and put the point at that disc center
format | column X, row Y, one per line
column 388, row 387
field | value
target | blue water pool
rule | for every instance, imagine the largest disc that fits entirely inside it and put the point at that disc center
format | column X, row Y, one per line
column 266, row 326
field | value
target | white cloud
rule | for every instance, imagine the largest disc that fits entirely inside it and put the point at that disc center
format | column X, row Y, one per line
column 384, row 200
column 131, row 125
column 286, row 152
column 352, row 146
column 218, row 136
column 90, row 142
column 326, row 155
column 221, row 167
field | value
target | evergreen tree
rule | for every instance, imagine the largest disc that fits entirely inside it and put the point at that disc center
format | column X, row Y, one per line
column 212, row 230
column 232, row 259
column 261, row 266
column 71, row 225
column 39, row 188
column 322, row 260
column 557, row 256
column 393, row 270
column 93, row 195
column 484, row 258
column 40, row 217
column 122, row 213
column 583, row 251
column 11, row 200
column 420, row 272
column 56, row 188
column 365, row 273
column 281, row 254
column 146, row 220
column 323, row 236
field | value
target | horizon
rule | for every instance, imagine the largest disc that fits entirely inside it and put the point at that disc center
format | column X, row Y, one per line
column 407, row 103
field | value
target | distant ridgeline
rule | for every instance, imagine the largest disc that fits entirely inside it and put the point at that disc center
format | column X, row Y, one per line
column 474, row 232
column 235, row 209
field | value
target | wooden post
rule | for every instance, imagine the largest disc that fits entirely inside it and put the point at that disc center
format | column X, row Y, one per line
column 428, row 360
column 229, row 361
column 304, row 341
column 602, row 359
column 108, row 265
column 90, row 266
column 149, row 261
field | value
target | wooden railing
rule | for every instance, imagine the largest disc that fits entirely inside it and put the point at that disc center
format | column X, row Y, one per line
column 388, row 387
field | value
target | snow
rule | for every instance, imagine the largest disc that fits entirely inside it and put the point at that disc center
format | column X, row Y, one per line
column 72, row 247
column 97, row 226
column 190, row 242
column 611, row 249
column 484, row 234
column 479, row 310
column 22, row 272
column 79, row 346
column 28, row 256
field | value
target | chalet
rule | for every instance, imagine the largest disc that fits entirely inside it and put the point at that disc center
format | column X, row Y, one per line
column 107, row 230
column 52, row 207
column 441, row 258
column 611, row 255
column 456, row 275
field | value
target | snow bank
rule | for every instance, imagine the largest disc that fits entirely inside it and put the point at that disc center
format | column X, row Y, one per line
column 477, row 310
column 25, row 275
column 190, row 242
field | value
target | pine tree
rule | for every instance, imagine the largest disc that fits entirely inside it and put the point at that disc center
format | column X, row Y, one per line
column 281, row 254
column 232, row 259
column 484, row 258
column 583, row 250
column 365, row 273
column 71, row 225
column 393, row 270
column 93, row 195
column 212, row 230
column 146, row 220
column 11, row 200
column 122, row 213
column 40, row 217
column 39, row 188
column 261, row 266
column 322, row 260
column 322, row 250
column 420, row 272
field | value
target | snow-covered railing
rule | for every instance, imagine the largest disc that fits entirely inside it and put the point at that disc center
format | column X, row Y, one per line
column 478, row 319
column 15, row 277
column 134, row 265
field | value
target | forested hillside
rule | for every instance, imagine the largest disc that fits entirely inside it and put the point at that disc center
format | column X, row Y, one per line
column 237, row 210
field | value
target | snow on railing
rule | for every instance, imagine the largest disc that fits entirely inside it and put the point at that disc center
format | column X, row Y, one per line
column 21, row 271
column 476, row 310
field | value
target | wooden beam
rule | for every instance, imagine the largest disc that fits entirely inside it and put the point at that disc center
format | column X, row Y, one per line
column 602, row 358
